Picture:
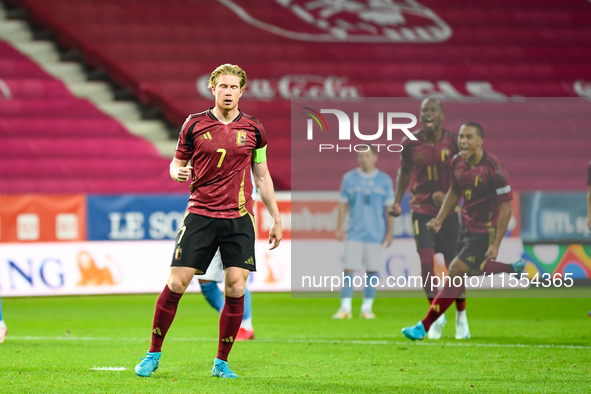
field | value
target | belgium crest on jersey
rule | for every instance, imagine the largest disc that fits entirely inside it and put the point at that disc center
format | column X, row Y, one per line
column 241, row 137
column 444, row 154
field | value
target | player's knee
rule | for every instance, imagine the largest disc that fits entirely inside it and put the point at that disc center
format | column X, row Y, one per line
column 235, row 288
column 455, row 270
column 177, row 285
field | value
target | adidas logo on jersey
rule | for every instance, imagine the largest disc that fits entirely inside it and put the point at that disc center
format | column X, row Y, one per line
column 249, row 261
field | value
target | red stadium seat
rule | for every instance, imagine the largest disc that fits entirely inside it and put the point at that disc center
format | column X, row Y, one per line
column 53, row 142
column 158, row 50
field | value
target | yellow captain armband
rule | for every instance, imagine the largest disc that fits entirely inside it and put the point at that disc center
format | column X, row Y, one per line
column 260, row 155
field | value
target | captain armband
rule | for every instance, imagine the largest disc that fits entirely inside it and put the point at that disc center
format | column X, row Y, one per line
column 260, row 155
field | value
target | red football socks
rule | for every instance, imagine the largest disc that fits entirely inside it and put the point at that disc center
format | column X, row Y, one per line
column 166, row 306
column 444, row 299
column 461, row 300
column 426, row 257
column 494, row 267
column 230, row 320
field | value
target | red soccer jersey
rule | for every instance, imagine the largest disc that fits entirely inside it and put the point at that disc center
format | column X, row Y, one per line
column 221, row 156
column 431, row 169
column 483, row 188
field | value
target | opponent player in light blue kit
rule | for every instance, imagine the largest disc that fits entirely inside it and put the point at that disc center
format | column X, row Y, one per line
column 368, row 193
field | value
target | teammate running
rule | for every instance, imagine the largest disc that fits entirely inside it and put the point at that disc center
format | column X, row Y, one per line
column 482, row 181
column 427, row 163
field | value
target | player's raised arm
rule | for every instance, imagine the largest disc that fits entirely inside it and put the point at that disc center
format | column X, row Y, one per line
column 264, row 185
column 179, row 170
column 450, row 201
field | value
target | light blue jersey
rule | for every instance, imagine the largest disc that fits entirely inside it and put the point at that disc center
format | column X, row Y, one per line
column 255, row 192
column 367, row 196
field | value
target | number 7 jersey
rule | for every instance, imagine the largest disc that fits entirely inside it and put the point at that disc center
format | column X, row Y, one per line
column 221, row 156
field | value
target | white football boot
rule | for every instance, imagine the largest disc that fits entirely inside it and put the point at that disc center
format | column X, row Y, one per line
column 437, row 328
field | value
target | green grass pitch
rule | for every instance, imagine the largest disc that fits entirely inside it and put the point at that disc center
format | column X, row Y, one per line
column 540, row 345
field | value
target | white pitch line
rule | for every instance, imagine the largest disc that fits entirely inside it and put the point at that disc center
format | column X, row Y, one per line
column 108, row 369
column 317, row 340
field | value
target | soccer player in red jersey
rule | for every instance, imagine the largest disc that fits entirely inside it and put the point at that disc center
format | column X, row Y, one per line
column 426, row 167
column 482, row 181
column 222, row 144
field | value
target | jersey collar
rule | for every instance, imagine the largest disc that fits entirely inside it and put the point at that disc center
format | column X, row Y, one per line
column 213, row 117
column 367, row 175
column 421, row 134
column 484, row 155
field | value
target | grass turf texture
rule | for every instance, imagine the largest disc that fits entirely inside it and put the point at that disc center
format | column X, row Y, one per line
column 517, row 345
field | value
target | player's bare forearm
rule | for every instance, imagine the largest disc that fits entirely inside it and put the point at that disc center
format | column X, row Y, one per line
column 264, row 185
column 402, row 182
column 342, row 212
column 179, row 170
column 390, row 229
column 267, row 194
column 449, row 203
column 503, row 223
column 390, row 224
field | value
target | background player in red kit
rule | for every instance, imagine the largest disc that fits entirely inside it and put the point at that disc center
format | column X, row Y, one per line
column 426, row 166
column 482, row 181
column 222, row 143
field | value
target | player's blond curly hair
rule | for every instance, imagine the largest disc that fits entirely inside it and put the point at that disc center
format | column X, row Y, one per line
column 227, row 69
